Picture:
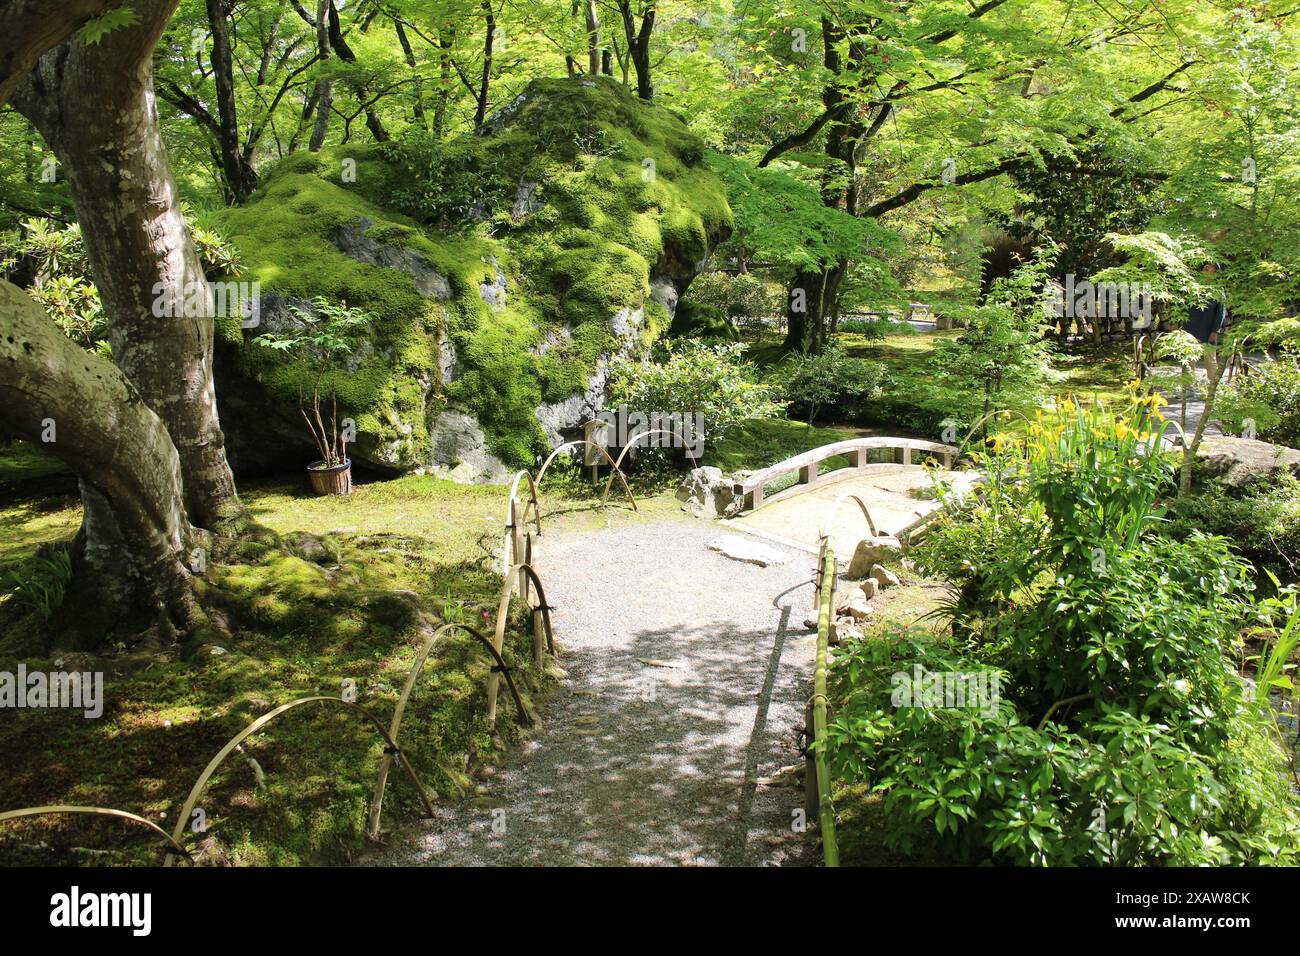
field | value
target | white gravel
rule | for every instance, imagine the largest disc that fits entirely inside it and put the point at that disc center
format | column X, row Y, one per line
column 639, row 763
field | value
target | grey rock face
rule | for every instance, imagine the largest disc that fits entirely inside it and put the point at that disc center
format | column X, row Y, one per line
column 871, row 552
column 1237, row 462
column 526, row 200
column 461, row 453
column 663, row 291
column 352, row 241
column 706, row 492
column 494, row 293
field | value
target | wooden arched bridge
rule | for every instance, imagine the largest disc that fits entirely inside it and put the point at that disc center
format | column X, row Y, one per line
column 788, row 501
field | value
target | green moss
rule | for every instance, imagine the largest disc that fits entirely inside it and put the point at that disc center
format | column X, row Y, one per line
column 319, row 607
column 624, row 188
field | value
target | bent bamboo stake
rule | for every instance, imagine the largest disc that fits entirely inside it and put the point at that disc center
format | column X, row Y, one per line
column 582, row 441
column 266, row 718
column 173, row 842
column 830, row 514
column 618, row 465
column 516, row 519
column 509, row 586
column 825, row 809
column 377, row 801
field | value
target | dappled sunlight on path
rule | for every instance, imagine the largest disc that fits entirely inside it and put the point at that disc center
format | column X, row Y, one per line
column 686, row 681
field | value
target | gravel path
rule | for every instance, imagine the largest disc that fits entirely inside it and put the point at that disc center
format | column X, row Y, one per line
column 643, row 764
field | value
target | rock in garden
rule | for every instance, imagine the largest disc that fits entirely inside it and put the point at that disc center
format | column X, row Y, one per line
column 856, row 607
column 739, row 548
column 870, row 586
column 883, row 576
column 707, row 493
column 1236, row 462
column 872, row 551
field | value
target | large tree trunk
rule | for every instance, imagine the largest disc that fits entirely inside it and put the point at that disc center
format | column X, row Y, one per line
column 239, row 175
column 593, row 36
column 489, row 39
column 809, row 307
column 95, row 106
column 30, row 27
column 638, row 44
column 130, row 557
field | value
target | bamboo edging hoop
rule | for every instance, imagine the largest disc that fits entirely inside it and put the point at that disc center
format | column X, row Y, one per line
column 224, row 752
column 173, row 843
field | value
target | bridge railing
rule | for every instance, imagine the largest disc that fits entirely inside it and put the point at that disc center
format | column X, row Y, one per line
column 906, row 450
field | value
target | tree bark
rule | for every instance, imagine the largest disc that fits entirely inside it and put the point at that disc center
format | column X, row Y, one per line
column 638, row 44
column 95, row 106
column 28, row 28
column 489, row 35
column 324, row 95
column 811, row 303
column 446, row 40
column 593, row 36
column 129, row 560
column 408, row 55
column 239, row 175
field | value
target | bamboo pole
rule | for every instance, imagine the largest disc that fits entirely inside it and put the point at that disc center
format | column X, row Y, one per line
column 825, row 810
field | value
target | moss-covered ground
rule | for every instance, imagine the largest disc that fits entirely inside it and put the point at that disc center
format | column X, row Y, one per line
column 346, row 590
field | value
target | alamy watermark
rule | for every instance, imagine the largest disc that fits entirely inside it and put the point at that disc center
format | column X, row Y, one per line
column 620, row 427
column 947, row 690
column 82, row 691
column 1100, row 300
column 201, row 299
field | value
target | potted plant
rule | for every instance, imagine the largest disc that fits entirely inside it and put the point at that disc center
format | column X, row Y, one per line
column 325, row 333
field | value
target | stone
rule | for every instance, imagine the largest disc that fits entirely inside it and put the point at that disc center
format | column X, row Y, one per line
column 739, row 548
column 460, row 451
column 707, row 492
column 1236, row 462
column 872, row 551
column 526, row 200
column 496, row 292
column 884, row 577
column 870, row 587
column 352, row 241
column 856, row 607
column 482, row 314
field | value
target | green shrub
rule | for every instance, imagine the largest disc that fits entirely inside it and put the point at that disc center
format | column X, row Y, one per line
column 831, row 379
column 876, row 329
column 1002, row 359
column 692, row 378
column 1263, row 521
column 692, row 320
column 743, row 296
column 444, row 183
column 38, row 583
column 1112, row 729
column 1268, row 395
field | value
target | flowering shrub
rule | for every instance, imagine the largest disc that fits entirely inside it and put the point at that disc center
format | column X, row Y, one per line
column 1122, row 734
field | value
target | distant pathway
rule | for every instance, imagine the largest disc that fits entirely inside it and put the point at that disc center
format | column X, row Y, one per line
column 639, row 763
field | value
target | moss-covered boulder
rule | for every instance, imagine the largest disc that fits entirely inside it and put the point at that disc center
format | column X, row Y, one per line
column 503, row 270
